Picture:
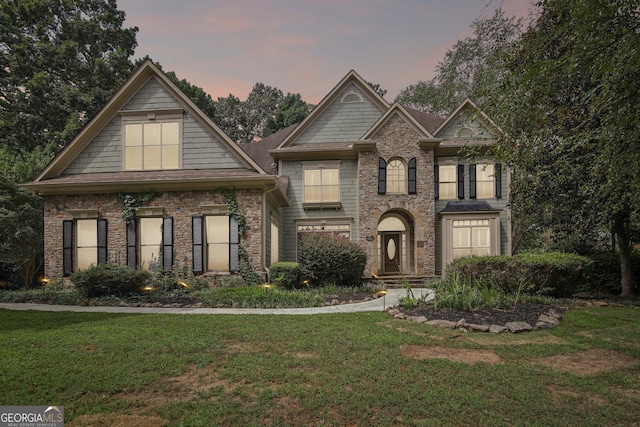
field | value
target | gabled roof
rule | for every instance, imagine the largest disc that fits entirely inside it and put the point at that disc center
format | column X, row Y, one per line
column 129, row 89
column 417, row 123
column 467, row 104
column 259, row 150
column 429, row 121
column 351, row 77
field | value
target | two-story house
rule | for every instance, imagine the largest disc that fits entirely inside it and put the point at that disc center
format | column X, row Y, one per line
column 389, row 177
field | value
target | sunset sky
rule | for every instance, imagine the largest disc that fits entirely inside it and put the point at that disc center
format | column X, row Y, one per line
column 303, row 46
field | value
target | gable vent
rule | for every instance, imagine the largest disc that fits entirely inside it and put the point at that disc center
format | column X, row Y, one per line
column 351, row 97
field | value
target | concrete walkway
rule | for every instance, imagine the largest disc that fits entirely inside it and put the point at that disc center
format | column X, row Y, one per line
column 380, row 304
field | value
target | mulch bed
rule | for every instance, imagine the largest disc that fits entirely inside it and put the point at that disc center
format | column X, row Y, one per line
column 521, row 312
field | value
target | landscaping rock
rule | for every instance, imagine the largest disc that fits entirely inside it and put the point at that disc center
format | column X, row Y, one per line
column 443, row 323
column 516, row 327
column 497, row 329
column 420, row 319
column 478, row 328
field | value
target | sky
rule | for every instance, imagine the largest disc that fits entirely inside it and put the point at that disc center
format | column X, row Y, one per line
column 303, row 46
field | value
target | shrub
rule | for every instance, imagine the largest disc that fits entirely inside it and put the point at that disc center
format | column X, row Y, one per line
column 326, row 259
column 604, row 274
column 109, row 279
column 285, row 274
column 549, row 273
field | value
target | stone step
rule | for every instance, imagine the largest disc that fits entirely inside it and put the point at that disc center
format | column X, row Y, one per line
column 393, row 282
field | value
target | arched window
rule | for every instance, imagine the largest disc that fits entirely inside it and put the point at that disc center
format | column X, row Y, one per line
column 396, row 177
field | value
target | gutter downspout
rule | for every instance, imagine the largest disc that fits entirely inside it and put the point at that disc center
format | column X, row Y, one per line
column 264, row 224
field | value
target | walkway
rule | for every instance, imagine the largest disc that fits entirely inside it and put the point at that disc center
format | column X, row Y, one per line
column 391, row 299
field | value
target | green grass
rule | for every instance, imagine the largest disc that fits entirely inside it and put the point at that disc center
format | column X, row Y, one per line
column 349, row 369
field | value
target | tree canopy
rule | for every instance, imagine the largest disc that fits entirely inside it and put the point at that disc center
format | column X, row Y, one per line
column 568, row 107
column 62, row 60
column 472, row 68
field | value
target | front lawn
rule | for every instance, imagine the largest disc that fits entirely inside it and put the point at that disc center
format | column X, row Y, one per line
column 346, row 369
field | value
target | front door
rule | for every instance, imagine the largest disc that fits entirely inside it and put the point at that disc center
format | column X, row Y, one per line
column 391, row 253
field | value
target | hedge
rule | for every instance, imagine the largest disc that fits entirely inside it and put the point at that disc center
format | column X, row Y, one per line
column 109, row 279
column 556, row 274
column 285, row 274
column 330, row 260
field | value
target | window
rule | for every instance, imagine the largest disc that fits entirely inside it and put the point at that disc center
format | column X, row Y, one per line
column 150, row 241
column 84, row 243
column 469, row 233
column 215, row 243
column 322, row 183
column 217, row 235
column 471, row 237
column 396, row 177
column 481, row 181
column 152, row 145
column 275, row 241
column 337, row 229
column 447, row 182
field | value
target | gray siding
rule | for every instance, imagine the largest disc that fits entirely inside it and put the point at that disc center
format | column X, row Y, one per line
column 348, row 198
column 501, row 204
column 153, row 96
column 342, row 122
column 103, row 154
column 465, row 120
column 202, row 150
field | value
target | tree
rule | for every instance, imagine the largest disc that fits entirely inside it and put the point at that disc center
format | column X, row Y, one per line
column 568, row 109
column 471, row 68
column 265, row 111
column 61, row 61
column 291, row 110
column 378, row 89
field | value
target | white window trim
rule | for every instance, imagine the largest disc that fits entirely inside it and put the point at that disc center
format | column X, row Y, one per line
column 404, row 176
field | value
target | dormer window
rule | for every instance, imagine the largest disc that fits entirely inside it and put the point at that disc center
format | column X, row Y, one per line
column 152, row 141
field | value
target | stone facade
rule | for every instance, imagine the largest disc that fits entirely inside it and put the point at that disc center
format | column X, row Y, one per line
column 397, row 139
column 181, row 206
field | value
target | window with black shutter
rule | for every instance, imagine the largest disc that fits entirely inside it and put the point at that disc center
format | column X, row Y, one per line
column 167, row 243
column 132, row 256
column 460, row 181
column 382, row 176
column 498, row 180
column 436, row 181
column 472, row 181
column 67, row 247
column 412, row 176
column 102, row 241
column 234, row 245
column 197, row 236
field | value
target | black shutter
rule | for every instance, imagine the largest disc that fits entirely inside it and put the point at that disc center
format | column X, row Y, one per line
column 460, row 181
column 197, row 236
column 132, row 245
column 472, row 181
column 498, row 179
column 67, row 247
column 234, row 245
column 167, row 243
column 436, row 181
column 102, row 241
column 382, row 176
column 412, row 176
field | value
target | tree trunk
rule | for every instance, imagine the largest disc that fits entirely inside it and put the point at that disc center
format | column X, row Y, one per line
column 625, row 255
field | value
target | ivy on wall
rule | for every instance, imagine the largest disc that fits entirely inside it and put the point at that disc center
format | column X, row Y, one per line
column 130, row 202
column 249, row 275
